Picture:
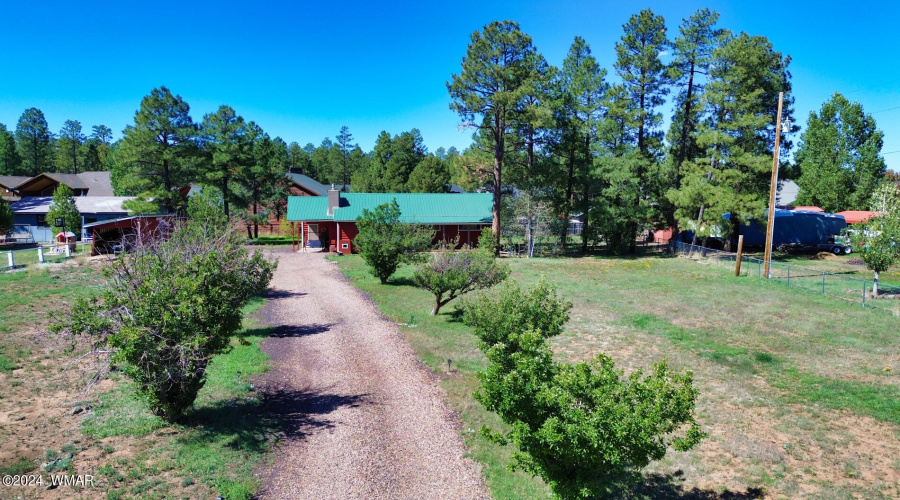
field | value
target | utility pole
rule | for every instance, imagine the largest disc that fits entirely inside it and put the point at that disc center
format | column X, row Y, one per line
column 770, row 225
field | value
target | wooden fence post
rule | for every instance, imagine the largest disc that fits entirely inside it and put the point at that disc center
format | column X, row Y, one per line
column 740, row 254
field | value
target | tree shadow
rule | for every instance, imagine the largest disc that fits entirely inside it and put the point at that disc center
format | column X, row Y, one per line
column 280, row 294
column 402, row 281
column 292, row 331
column 253, row 424
column 669, row 486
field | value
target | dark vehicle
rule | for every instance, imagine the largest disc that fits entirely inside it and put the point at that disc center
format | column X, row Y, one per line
column 800, row 230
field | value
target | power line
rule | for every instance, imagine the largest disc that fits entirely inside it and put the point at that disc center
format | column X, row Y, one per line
column 890, row 152
column 883, row 110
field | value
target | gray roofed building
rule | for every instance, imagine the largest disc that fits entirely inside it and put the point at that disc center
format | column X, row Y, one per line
column 83, row 184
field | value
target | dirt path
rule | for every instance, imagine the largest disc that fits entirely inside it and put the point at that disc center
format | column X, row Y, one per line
column 363, row 418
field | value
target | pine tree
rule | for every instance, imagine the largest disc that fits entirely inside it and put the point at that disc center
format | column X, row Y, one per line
column 158, row 153
column 429, row 176
column 227, row 146
column 737, row 137
column 63, row 207
column 68, row 145
column 10, row 162
column 692, row 52
column 582, row 93
column 34, row 142
column 488, row 92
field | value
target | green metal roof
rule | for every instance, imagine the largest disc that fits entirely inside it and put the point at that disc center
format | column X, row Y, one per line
column 421, row 208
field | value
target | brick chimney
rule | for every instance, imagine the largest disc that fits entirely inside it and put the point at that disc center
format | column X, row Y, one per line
column 334, row 200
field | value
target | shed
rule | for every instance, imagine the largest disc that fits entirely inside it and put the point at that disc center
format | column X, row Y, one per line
column 329, row 222
column 112, row 236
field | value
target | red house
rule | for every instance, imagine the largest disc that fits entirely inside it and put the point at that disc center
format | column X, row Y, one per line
column 329, row 222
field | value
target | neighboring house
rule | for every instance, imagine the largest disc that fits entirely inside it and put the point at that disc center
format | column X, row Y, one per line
column 300, row 185
column 30, row 214
column 329, row 222
column 7, row 185
column 83, row 184
column 303, row 185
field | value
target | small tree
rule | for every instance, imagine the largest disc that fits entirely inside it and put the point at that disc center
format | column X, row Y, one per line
column 878, row 243
column 172, row 304
column 584, row 428
column 450, row 274
column 63, row 207
column 6, row 217
column 385, row 242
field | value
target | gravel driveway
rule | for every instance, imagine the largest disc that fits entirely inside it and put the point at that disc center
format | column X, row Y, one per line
column 362, row 417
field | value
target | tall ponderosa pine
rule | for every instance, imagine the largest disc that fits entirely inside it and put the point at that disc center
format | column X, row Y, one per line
column 840, row 157
column 644, row 75
column 158, row 152
column 737, row 137
column 228, row 148
column 68, row 145
column 488, row 92
column 258, row 177
column 34, row 142
column 582, row 108
column 692, row 52
column 345, row 147
column 101, row 136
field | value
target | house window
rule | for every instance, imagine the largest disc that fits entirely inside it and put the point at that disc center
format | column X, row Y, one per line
column 42, row 220
column 345, row 246
column 469, row 227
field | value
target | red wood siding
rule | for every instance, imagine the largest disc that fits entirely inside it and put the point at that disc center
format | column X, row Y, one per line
column 349, row 231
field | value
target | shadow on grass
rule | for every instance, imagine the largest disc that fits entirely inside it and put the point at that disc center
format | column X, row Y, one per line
column 251, row 425
column 666, row 486
column 404, row 281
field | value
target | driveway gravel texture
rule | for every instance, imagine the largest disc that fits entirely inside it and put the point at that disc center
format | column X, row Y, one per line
column 361, row 416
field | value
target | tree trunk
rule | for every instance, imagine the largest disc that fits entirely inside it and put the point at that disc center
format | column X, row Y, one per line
column 225, row 195
column 437, row 304
column 568, row 203
column 167, row 184
column 699, row 221
column 255, row 213
column 499, row 127
column 875, row 286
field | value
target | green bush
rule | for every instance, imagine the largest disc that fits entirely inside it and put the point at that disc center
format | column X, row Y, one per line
column 584, row 428
column 450, row 274
column 384, row 242
column 172, row 304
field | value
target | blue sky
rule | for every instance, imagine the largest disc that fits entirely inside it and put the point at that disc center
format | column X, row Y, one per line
column 302, row 70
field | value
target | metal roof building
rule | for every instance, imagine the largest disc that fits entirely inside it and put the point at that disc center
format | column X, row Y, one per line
column 329, row 222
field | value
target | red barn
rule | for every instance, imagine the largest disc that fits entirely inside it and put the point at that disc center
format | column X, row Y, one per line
column 329, row 222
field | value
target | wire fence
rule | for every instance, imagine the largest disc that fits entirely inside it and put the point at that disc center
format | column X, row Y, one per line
column 11, row 259
column 817, row 281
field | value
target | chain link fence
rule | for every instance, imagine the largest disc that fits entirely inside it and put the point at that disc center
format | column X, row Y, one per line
column 817, row 281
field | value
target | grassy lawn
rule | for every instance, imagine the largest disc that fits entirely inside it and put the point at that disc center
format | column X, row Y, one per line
column 48, row 424
column 799, row 392
column 30, row 256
